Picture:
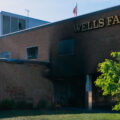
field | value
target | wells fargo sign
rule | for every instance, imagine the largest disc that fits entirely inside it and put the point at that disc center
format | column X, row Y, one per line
column 95, row 24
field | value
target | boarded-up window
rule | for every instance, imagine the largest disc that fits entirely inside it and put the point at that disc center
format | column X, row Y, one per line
column 5, row 55
column 6, row 24
column 66, row 47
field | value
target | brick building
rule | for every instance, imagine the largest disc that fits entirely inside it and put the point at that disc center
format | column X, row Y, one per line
column 74, row 48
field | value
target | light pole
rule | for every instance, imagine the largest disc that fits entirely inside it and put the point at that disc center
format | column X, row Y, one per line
column 28, row 11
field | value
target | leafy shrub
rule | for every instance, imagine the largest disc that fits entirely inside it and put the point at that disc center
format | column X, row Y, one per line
column 109, row 79
column 24, row 105
column 10, row 104
column 7, row 104
column 42, row 104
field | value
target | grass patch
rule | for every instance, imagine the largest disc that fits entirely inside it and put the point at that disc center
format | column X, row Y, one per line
column 57, row 115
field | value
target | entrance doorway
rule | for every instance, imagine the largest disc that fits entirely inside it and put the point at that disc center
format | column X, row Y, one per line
column 69, row 93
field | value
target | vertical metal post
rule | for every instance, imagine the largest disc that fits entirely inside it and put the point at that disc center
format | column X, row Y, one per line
column 28, row 11
column 88, row 91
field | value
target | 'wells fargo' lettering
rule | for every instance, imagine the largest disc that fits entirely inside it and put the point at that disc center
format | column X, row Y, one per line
column 116, row 20
column 95, row 24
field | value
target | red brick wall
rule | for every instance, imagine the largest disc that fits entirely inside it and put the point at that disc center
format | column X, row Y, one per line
column 18, row 43
column 25, row 82
column 91, row 47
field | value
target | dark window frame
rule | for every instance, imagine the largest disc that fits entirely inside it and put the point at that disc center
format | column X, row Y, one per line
column 66, row 47
column 28, row 52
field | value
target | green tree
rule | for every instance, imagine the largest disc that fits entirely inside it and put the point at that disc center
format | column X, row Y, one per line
column 109, row 80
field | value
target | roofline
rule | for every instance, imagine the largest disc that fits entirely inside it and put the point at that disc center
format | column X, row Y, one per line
column 66, row 20
column 22, row 16
column 20, row 61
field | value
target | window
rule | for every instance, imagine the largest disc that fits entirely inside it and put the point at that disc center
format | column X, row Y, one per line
column 6, row 24
column 14, row 24
column 5, row 55
column 32, row 53
column 17, row 24
column 22, row 24
column 66, row 47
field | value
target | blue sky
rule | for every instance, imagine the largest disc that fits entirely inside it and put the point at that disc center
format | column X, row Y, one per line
column 55, row 10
